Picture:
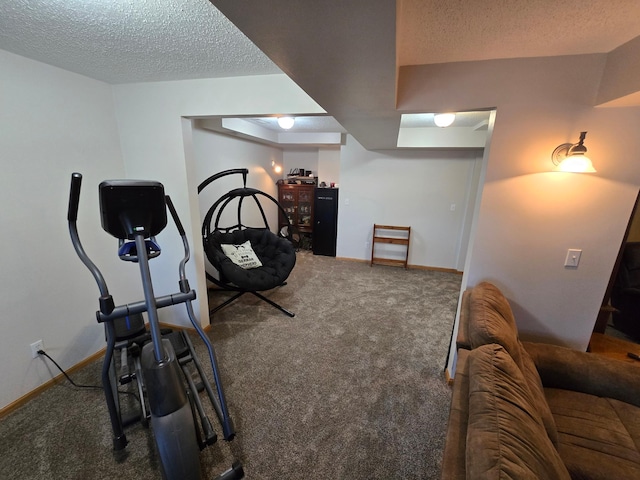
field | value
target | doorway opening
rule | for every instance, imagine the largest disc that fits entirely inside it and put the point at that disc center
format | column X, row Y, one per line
column 616, row 331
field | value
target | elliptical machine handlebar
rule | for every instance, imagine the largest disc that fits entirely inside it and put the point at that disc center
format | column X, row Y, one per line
column 183, row 282
column 106, row 300
column 174, row 215
column 74, row 196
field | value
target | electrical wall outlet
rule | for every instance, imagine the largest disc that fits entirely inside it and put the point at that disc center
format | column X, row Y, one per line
column 35, row 346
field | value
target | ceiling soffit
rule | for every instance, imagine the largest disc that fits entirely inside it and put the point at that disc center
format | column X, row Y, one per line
column 342, row 54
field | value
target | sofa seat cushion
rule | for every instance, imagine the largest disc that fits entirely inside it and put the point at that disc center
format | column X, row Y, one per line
column 506, row 438
column 598, row 437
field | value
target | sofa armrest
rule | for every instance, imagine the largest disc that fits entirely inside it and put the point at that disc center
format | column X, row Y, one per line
column 561, row 367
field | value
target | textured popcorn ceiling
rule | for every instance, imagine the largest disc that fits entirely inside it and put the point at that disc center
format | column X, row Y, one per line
column 436, row 31
column 121, row 41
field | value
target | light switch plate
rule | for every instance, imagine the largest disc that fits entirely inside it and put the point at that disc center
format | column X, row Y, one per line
column 573, row 258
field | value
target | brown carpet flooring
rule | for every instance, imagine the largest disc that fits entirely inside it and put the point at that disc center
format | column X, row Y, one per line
column 351, row 388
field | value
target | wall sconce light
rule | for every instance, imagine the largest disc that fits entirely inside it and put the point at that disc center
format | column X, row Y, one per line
column 570, row 157
column 444, row 119
column 276, row 168
column 286, row 122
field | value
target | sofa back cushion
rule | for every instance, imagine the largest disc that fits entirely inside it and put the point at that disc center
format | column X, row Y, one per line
column 506, row 437
column 491, row 320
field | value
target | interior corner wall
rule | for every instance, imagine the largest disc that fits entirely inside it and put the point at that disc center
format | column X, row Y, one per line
column 621, row 76
column 529, row 216
column 323, row 162
column 329, row 165
column 427, row 190
column 52, row 123
column 150, row 120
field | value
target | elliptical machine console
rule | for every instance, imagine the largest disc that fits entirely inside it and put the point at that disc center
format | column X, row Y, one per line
column 132, row 207
column 162, row 362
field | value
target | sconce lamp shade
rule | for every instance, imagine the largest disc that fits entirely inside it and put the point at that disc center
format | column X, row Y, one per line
column 286, row 122
column 576, row 164
column 444, row 119
column 570, row 157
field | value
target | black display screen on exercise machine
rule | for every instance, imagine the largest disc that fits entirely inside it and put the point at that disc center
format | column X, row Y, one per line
column 131, row 207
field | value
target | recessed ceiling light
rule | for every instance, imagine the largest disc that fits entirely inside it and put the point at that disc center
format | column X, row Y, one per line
column 286, row 122
column 444, row 119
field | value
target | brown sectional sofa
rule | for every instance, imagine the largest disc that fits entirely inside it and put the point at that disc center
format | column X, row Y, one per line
column 536, row 411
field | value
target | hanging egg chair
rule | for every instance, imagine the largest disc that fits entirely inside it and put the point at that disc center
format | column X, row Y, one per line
column 246, row 259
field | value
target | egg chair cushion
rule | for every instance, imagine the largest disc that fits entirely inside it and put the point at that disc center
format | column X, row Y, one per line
column 276, row 254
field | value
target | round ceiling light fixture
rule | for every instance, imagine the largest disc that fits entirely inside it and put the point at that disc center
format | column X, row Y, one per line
column 444, row 119
column 286, row 122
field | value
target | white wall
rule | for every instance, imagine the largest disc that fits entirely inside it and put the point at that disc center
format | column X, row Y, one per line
column 529, row 216
column 528, row 221
column 407, row 188
column 157, row 142
column 52, row 123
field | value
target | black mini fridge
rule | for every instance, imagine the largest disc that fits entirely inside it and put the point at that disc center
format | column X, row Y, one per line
column 325, row 221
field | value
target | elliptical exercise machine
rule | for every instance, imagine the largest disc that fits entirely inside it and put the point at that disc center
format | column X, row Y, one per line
column 134, row 212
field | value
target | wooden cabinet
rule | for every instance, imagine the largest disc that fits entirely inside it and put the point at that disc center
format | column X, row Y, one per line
column 297, row 201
